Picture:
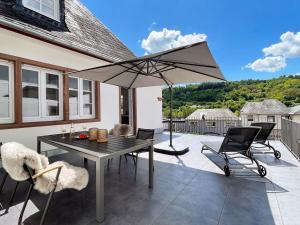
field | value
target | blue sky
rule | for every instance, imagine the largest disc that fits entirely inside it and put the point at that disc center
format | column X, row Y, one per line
column 237, row 31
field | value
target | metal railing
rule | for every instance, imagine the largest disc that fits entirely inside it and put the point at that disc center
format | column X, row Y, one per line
column 291, row 135
column 217, row 125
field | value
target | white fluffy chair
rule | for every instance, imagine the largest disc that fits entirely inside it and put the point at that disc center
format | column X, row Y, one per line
column 24, row 164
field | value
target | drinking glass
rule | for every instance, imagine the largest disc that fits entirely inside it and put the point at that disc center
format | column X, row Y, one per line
column 84, row 128
column 63, row 130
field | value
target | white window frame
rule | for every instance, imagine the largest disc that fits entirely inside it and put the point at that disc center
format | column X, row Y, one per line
column 229, row 123
column 80, row 101
column 11, row 118
column 271, row 116
column 211, row 123
column 42, row 95
column 250, row 116
column 56, row 10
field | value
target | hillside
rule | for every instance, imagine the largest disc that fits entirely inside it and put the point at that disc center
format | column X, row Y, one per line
column 232, row 94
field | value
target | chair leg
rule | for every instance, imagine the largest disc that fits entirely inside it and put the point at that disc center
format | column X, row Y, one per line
column 50, row 198
column 136, row 165
column 108, row 162
column 25, row 204
column 3, row 181
column 47, row 207
column 85, row 162
column 120, row 159
column 13, row 195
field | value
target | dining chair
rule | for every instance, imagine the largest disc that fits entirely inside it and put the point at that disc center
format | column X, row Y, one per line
column 142, row 134
column 24, row 164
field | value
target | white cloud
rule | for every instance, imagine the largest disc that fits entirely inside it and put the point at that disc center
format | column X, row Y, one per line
column 276, row 54
column 289, row 46
column 166, row 39
column 268, row 64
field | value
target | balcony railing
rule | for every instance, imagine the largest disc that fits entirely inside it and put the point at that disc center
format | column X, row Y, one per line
column 291, row 135
column 217, row 125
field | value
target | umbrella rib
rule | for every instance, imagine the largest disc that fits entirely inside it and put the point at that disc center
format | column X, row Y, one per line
column 194, row 71
column 121, row 73
column 164, row 69
column 136, row 76
column 162, row 76
column 132, row 68
column 188, row 64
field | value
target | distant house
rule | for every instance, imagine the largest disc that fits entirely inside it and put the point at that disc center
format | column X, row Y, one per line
column 294, row 113
column 269, row 110
column 212, row 120
column 212, row 114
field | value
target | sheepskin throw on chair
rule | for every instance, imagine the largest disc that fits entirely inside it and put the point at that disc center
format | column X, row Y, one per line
column 15, row 156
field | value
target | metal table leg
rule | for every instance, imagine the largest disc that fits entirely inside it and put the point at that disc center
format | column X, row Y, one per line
column 99, row 190
column 38, row 147
column 151, row 166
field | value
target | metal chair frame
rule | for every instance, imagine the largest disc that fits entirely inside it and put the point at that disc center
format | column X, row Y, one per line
column 245, row 153
column 135, row 155
column 32, row 181
column 263, row 141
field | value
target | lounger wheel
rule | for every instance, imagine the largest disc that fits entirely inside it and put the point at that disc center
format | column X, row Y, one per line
column 277, row 154
column 227, row 170
column 262, row 171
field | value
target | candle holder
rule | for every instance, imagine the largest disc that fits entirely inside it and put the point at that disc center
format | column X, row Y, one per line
column 102, row 135
column 93, row 134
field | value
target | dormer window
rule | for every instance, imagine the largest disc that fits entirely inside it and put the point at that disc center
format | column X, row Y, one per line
column 49, row 8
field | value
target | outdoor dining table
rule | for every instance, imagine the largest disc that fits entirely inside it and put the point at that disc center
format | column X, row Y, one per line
column 99, row 153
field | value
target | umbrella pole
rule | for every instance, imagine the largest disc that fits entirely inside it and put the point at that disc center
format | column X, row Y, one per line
column 171, row 149
column 171, row 114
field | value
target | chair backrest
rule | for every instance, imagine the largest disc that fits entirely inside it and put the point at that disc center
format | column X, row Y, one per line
column 122, row 129
column 145, row 134
column 16, row 156
column 239, row 139
column 266, row 129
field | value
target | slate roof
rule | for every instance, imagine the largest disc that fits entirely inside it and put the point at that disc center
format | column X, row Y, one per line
column 266, row 107
column 80, row 29
column 295, row 110
column 212, row 114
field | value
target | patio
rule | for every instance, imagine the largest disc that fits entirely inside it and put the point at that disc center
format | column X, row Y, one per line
column 190, row 189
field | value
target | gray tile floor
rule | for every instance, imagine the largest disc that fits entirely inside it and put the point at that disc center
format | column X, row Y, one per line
column 190, row 189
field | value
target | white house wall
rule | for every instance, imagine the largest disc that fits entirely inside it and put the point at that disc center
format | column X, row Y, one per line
column 15, row 44
column 149, row 108
column 260, row 118
column 296, row 118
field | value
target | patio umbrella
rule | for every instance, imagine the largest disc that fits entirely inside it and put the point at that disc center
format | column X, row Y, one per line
column 188, row 64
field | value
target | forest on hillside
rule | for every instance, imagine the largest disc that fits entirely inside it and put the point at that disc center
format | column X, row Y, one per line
column 232, row 94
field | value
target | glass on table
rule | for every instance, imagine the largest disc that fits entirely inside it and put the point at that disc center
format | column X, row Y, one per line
column 63, row 130
column 84, row 128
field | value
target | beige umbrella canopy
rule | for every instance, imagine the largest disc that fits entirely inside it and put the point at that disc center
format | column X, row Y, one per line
column 189, row 64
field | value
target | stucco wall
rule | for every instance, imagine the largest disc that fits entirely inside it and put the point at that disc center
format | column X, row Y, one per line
column 296, row 118
column 22, row 46
column 149, row 108
column 261, row 118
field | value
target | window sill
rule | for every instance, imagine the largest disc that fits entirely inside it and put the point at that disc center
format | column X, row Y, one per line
column 47, row 123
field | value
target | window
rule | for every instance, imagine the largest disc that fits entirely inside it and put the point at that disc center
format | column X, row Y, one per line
column 230, row 123
column 210, row 123
column 271, row 119
column 250, row 117
column 42, row 94
column 6, row 92
column 81, row 98
column 49, row 8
